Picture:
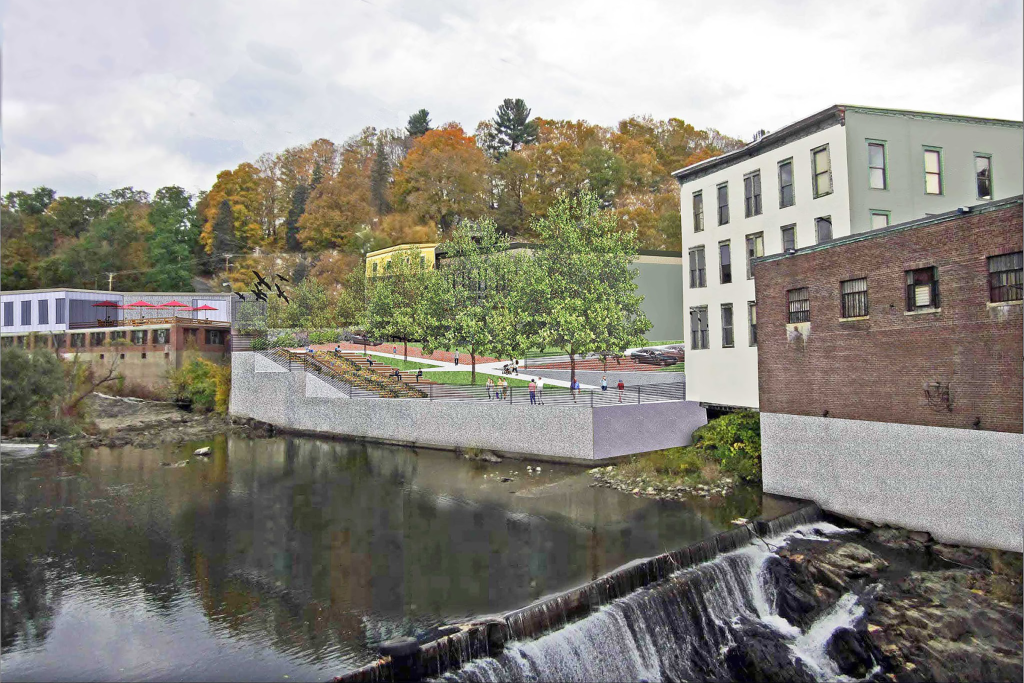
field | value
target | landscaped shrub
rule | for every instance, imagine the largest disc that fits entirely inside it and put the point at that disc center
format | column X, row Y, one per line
column 286, row 340
column 728, row 445
column 207, row 385
column 324, row 336
column 260, row 344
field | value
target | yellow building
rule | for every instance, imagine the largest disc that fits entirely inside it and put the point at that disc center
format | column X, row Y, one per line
column 377, row 261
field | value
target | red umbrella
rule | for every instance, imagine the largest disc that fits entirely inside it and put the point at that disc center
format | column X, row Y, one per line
column 140, row 304
column 205, row 307
column 175, row 304
column 106, row 304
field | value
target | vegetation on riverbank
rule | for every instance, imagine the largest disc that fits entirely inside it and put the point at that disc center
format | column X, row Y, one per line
column 206, row 385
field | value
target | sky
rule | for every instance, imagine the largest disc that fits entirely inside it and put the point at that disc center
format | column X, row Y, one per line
column 101, row 95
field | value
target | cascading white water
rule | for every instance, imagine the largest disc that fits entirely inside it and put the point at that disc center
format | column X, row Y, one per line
column 682, row 629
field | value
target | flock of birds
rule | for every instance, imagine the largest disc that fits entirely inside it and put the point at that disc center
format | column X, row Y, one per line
column 257, row 289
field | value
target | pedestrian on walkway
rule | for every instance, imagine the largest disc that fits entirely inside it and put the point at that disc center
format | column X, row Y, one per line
column 456, row 357
column 533, row 392
column 622, row 388
column 490, row 386
column 394, row 350
column 604, row 383
column 504, row 388
column 574, row 388
column 540, row 390
column 516, row 361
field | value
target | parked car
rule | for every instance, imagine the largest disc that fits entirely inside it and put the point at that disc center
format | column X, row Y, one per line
column 361, row 338
column 676, row 351
column 652, row 357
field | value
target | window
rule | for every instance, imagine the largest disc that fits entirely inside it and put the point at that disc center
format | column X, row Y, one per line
column 26, row 312
column 879, row 219
column 933, row 171
column 878, row 179
column 788, row 237
column 822, row 166
column 161, row 336
column 725, row 263
column 698, row 211
column 122, row 356
column 755, row 248
column 215, row 337
column 699, row 327
column 192, row 335
column 1004, row 277
column 752, row 322
column 78, row 340
column 854, row 295
column 823, row 228
column 44, row 312
column 8, row 314
column 97, row 338
column 698, row 273
column 786, row 197
column 983, row 171
column 143, row 355
column 727, row 336
column 19, row 341
column 799, row 305
column 167, row 355
column 117, row 336
column 102, row 356
column 752, row 194
column 723, row 203
column 58, row 309
column 140, row 337
column 922, row 289
column 6, row 342
column 374, row 267
column 58, row 340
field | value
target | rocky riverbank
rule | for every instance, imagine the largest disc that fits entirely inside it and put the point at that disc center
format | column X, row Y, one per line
column 657, row 486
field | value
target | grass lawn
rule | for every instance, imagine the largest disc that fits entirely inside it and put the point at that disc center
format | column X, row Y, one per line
column 463, row 378
column 678, row 367
column 665, row 343
column 401, row 364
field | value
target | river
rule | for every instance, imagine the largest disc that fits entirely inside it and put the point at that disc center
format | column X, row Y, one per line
column 292, row 558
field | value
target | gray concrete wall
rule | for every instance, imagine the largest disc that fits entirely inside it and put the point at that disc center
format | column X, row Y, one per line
column 661, row 285
column 296, row 401
column 631, row 379
column 962, row 486
column 638, row 428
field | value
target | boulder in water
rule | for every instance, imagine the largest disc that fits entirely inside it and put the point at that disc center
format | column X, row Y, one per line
column 202, row 452
column 850, row 653
column 760, row 655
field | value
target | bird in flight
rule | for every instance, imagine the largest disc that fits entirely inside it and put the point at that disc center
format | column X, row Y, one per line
column 285, row 299
column 280, row 292
column 240, row 295
column 260, row 281
column 281, row 277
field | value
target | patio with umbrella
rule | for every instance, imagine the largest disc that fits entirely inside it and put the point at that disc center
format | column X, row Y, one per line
column 205, row 307
column 176, row 304
column 139, row 305
column 106, row 304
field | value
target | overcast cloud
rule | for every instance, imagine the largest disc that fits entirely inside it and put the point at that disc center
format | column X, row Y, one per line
column 99, row 95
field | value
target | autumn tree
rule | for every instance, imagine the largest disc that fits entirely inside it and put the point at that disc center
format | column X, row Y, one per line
column 444, row 177
column 338, row 208
column 241, row 189
column 419, row 124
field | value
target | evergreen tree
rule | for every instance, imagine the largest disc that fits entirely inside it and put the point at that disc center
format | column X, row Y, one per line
column 223, row 234
column 317, row 177
column 299, row 197
column 379, row 176
column 419, row 124
column 175, row 232
column 512, row 127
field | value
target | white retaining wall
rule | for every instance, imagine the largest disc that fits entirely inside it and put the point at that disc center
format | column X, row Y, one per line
column 962, row 486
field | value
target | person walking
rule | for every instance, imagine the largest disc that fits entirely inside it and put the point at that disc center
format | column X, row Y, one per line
column 604, row 383
column 504, row 389
column 533, row 392
column 516, row 361
column 540, row 390
column 394, row 350
column 456, row 357
column 490, row 386
column 621, row 388
column 574, row 388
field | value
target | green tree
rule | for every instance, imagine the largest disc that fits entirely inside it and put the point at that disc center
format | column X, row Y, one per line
column 174, row 236
column 223, row 233
column 30, row 203
column 394, row 307
column 584, row 299
column 380, row 175
column 31, row 384
column 298, row 208
column 512, row 127
column 419, row 124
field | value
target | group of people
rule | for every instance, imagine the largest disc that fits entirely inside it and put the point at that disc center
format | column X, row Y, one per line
column 511, row 368
column 499, row 390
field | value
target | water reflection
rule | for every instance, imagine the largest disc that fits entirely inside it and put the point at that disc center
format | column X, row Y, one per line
column 292, row 556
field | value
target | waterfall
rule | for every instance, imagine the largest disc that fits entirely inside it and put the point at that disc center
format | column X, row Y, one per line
column 716, row 621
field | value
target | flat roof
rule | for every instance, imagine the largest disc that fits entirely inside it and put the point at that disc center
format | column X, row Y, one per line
column 104, row 292
column 400, row 247
column 824, row 119
column 540, row 245
column 899, row 227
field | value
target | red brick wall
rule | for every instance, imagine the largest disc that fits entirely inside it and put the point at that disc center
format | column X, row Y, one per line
column 877, row 369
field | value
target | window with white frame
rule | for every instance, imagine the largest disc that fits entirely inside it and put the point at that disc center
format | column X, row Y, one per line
column 723, row 203
column 821, row 164
column 877, row 177
column 699, row 327
column 8, row 314
column 58, row 310
column 727, row 331
column 26, row 312
column 44, row 312
column 752, row 322
column 724, row 263
column 932, row 171
column 698, row 270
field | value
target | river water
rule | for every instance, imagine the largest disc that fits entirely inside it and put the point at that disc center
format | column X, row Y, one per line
column 292, row 558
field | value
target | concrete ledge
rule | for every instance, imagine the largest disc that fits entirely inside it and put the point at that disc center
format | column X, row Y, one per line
column 962, row 486
column 593, row 377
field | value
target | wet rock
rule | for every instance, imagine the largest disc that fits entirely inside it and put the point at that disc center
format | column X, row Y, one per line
column 795, row 599
column 202, row 452
column 760, row 656
column 851, row 654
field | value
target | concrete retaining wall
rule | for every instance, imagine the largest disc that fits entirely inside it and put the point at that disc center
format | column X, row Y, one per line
column 962, row 486
column 593, row 377
column 264, row 391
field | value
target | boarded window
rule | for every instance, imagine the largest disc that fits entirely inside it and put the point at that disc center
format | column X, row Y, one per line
column 799, row 305
column 854, row 295
column 1004, row 277
column 922, row 289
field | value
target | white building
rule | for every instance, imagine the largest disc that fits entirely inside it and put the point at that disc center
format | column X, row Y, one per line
column 844, row 170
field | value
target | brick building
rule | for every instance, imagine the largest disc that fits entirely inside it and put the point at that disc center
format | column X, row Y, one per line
column 891, row 373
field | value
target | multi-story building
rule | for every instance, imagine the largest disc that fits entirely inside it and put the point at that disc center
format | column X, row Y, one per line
column 845, row 170
column 892, row 374
column 144, row 342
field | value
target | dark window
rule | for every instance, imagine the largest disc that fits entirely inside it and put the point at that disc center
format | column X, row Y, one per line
column 117, row 336
column 140, row 337
column 822, row 166
column 58, row 310
column 44, row 312
column 161, row 336
column 752, row 194
column 19, row 341
column 932, row 171
column 78, row 340
column 983, row 170
column 167, row 355
column 723, row 203
column 1004, row 277
column 725, row 263
column 122, row 356
column 192, row 335
column 799, row 305
column 6, row 342
column 877, row 179
column 698, row 211
column 727, row 335
column 922, row 289
column 102, row 356
column 699, row 327
column 788, row 237
column 97, row 338
column 854, row 298
column 755, row 248
column 58, row 340
column 752, row 319
column 698, row 272
column 143, row 355
column 786, row 197
column 8, row 314
column 26, row 312
column 823, row 227
column 214, row 337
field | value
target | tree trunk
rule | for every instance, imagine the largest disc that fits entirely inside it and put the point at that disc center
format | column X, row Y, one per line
column 472, row 361
column 405, row 347
column 572, row 367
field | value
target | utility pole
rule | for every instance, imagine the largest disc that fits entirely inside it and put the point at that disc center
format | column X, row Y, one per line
column 226, row 266
column 110, row 281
